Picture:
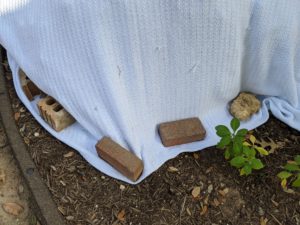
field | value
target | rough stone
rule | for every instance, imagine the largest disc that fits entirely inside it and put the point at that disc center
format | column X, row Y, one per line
column 181, row 131
column 244, row 106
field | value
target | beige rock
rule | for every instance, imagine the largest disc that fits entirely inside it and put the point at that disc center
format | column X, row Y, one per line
column 244, row 106
column 13, row 208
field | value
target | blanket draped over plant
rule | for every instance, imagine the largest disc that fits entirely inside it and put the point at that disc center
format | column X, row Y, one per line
column 122, row 67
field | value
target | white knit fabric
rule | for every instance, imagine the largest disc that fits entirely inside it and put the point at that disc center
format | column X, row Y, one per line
column 121, row 67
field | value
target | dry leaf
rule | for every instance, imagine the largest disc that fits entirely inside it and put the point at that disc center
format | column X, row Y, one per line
column 17, row 116
column 196, row 155
column 13, row 208
column 121, row 215
column 204, row 210
column 69, row 154
column 172, row 169
column 263, row 221
column 270, row 144
column 196, row 192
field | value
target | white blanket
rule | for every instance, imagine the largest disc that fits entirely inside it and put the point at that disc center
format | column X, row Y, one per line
column 121, row 67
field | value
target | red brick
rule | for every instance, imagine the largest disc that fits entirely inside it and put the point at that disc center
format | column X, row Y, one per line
column 29, row 88
column 120, row 158
column 54, row 114
column 181, row 132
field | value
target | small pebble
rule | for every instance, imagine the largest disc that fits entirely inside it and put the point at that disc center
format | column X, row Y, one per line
column 36, row 134
column 21, row 188
column 122, row 187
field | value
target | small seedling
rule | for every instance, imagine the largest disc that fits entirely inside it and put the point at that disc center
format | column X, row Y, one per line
column 239, row 149
column 291, row 172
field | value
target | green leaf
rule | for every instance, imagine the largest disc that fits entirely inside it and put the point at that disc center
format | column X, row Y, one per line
column 246, row 151
column 242, row 132
column 261, row 150
column 284, row 175
column 238, row 139
column 257, row 164
column 222, row 131
column 291, row 167
column 224, row 142
column 235, row 124
column 296, row 183
column 253, row 152
column 227, row 154
column 238, row 161
column 297, row 159
column 237, row 148
column 247, row 169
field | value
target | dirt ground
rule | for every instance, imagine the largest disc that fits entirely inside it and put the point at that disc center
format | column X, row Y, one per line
column 86, row 196
column 14, row 205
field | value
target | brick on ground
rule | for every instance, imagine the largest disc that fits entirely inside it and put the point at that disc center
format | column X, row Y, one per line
column 120, row 158
column 54, row 114
column 181, row 132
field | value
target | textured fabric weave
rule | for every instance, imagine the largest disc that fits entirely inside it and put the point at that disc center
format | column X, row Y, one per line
column 121, row 67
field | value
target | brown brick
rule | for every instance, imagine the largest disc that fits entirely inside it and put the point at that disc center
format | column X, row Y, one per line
column 121, row 159
column 29, row 88
column 54, row 114
column 181, row 131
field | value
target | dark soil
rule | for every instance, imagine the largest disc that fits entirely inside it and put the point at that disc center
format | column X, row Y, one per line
column 86, row 196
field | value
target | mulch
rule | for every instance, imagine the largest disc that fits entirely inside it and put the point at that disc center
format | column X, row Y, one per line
column 84, row 195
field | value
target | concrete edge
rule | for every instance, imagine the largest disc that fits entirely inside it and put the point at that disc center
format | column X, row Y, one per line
column 43, row 205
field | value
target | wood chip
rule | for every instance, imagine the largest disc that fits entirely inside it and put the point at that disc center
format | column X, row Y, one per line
column 70, row 217
column 209, row 170
column 196, row 192
column 172, row 169
column 188, row 212
column 210, row 188
column 224, row 192
column 275, row 203
column 216, row 202
column 203, row 210
column 61, row 210
column 69, row 154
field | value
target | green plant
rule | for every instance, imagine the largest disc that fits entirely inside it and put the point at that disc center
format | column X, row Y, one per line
column 240, row 148
column 291, row 172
